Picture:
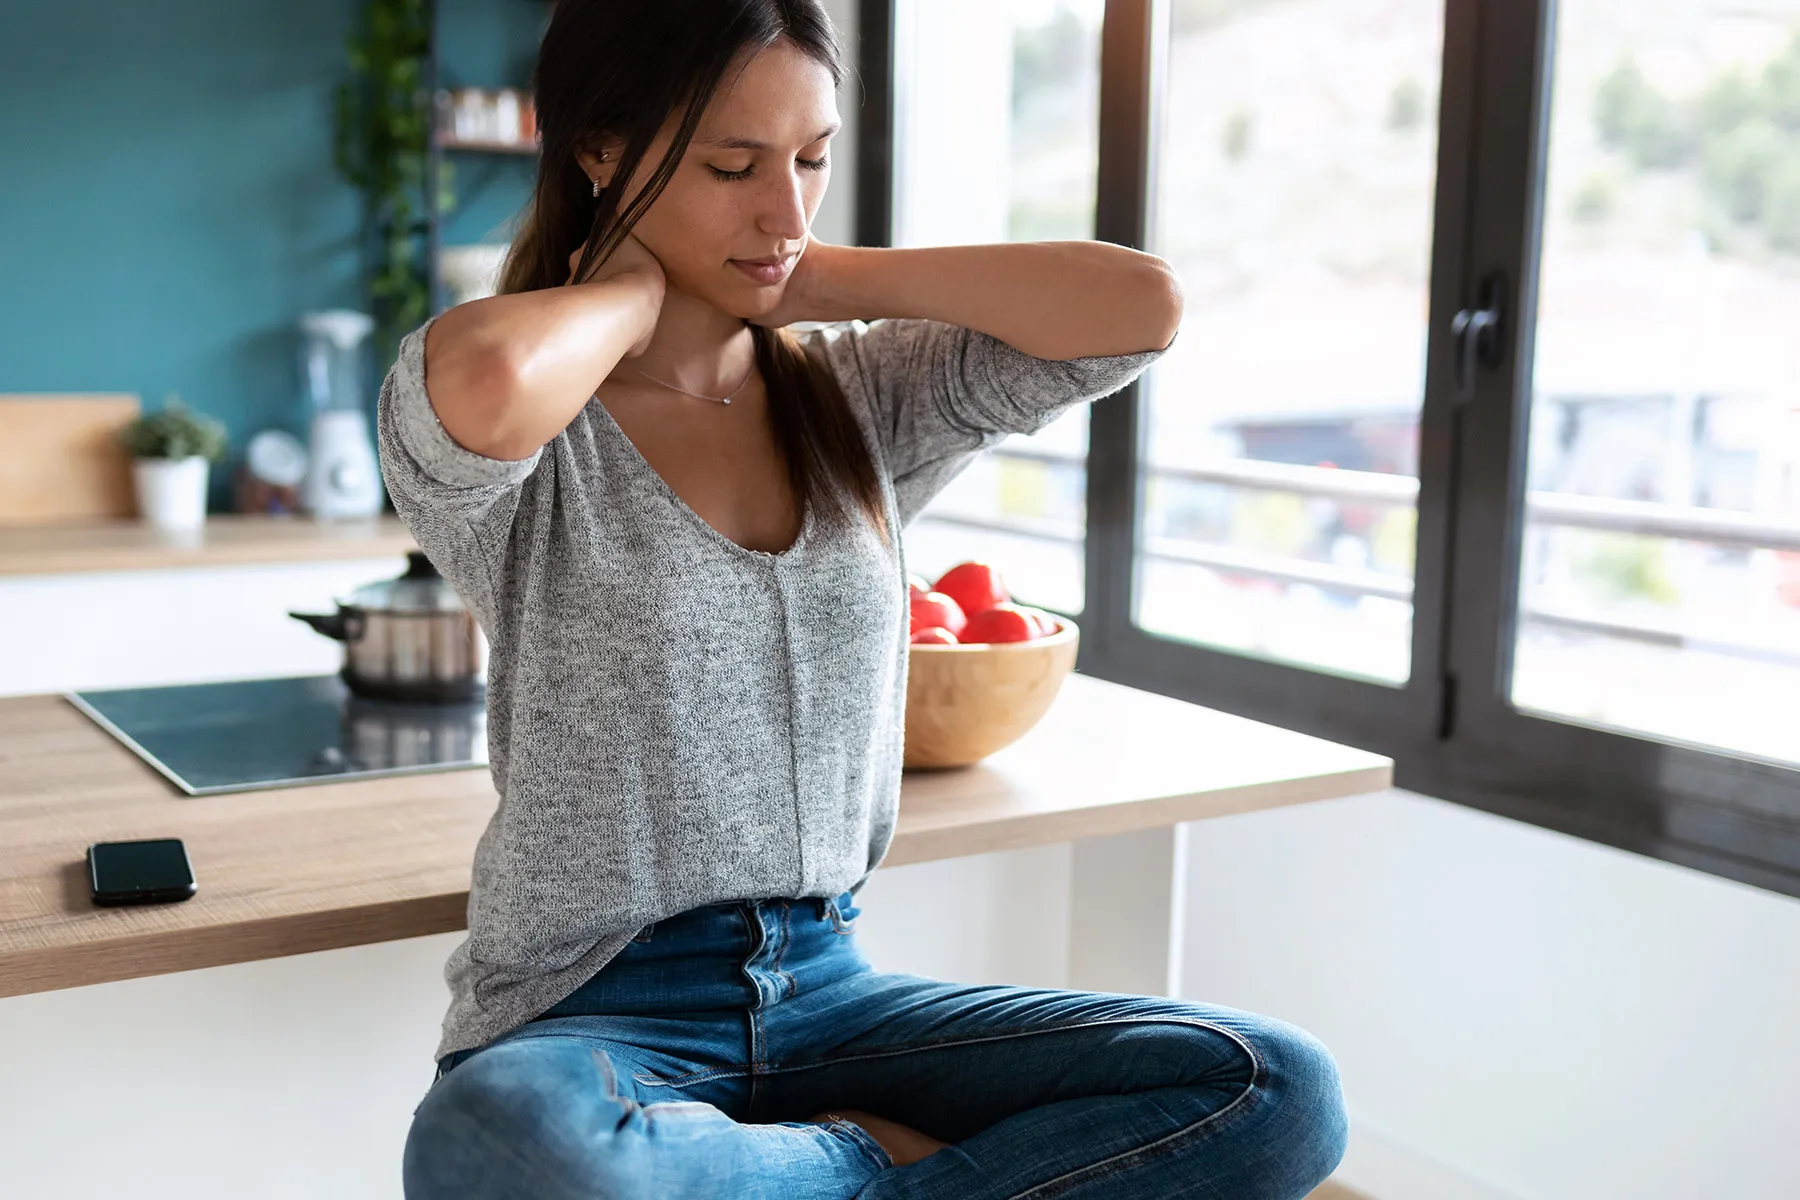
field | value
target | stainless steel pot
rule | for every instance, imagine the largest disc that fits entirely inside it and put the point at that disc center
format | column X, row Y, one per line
column 409, row 638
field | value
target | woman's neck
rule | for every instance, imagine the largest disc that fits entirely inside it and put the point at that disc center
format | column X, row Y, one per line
column 697, row 346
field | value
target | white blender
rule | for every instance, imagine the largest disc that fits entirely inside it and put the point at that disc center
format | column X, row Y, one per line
column 343, row 477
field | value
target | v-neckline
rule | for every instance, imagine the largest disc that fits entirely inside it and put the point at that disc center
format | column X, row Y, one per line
column 662, row 485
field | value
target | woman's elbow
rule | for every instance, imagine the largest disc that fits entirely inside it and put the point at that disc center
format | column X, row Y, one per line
column 1163, row 301
column 474, row 402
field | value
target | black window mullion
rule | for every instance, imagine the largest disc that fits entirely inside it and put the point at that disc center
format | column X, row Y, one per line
column 1511, row 73
column 875, row 124
column 1432, row 687
column 1130, row 44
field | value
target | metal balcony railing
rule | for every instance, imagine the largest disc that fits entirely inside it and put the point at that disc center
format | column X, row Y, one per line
column 1710, row 526
column 1718, row 527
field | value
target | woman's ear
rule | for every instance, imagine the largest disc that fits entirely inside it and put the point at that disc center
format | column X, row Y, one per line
column 599, row 163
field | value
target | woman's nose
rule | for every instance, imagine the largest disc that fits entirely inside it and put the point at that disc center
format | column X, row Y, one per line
column 784, row 207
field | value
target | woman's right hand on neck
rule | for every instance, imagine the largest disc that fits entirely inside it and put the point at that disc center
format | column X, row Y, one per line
column 505, row 374
column 631, row 257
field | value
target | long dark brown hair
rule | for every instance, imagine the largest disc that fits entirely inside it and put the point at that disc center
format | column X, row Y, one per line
column 621, row 68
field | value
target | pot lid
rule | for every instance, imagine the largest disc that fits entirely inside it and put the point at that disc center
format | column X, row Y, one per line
column 420, row 589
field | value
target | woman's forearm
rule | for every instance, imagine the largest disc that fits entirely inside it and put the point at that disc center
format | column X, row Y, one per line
column 505, row 374
column 1055, row 300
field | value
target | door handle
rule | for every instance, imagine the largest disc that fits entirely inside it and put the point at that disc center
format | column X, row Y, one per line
column 1477, row 334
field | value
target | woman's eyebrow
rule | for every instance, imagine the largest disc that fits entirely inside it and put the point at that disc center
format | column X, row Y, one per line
column 744, row 143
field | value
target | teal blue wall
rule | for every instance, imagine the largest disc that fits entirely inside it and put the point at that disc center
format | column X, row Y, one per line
column 168, row 203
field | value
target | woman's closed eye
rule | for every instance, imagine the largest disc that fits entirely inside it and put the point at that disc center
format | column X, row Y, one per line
column 809, row 164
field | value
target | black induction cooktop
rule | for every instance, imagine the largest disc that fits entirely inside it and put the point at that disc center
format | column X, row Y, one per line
column 250, row 734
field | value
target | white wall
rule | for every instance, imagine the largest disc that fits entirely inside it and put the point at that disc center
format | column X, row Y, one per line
column 1518, row 1013
column 103, row 629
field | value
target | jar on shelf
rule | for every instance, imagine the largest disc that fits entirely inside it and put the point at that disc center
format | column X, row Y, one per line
column 506, row 116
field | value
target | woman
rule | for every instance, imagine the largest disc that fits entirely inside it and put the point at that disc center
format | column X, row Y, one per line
column 678, row 523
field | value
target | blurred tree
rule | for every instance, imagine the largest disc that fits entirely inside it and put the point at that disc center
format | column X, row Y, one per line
column 1631, row 115
column 1781, row 216
column 1740, row 166
column 1406, row 106
column 1742, row 131
column 1595, row 200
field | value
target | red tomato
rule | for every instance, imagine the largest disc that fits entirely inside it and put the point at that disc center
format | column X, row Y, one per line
column 1004, row 622
column 934, row 635
column 974, row 585
column 917, row 584
column 935, row 608
column 1046, row 622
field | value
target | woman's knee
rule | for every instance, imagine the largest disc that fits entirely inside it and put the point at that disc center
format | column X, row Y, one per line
column 527, row 1117
column 1307, row 1118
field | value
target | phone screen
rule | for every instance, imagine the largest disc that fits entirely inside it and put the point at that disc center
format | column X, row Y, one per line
column 156, row 868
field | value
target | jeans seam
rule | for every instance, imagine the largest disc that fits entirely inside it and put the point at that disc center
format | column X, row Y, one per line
column 787, row 939
column 753, row 924
column 915, row 1047
column 1126, row 1160
column 1121, row 1161
column 690, row 1077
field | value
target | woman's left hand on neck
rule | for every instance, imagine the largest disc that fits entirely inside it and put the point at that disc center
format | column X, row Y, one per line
column 1054, row 300
column 807, row 294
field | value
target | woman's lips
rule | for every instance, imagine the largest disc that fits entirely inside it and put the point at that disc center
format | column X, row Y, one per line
column 766, row 272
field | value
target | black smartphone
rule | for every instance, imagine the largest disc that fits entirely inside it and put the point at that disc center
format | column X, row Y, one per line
column 153, row 871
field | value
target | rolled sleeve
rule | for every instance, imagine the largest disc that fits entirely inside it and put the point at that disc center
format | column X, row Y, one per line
column 940, row 394
column 431, row 456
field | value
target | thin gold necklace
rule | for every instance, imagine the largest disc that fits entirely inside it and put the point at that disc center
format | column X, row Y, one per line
column 697, row 395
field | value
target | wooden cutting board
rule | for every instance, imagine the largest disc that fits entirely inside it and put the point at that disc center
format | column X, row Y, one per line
column 60, row 458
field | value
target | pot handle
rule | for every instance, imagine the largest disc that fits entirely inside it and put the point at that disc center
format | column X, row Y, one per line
column 332, row 625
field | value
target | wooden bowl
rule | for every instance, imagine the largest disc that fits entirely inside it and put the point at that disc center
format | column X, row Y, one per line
column 965, row 702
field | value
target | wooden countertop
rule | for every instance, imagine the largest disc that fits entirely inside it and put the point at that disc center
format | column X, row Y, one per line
column 226, row 539
column 322, row 866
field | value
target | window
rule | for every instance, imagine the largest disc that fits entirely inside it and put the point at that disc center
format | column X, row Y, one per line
column 1007, row 154
column 1480, row 446
column 1294, row 181
column 1659, row 591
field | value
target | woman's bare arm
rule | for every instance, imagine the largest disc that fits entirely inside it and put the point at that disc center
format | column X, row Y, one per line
column 1054, row 300
column 505, row 374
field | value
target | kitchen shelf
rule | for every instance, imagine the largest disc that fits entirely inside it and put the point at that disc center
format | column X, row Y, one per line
column 471, row 145
column 227, row 539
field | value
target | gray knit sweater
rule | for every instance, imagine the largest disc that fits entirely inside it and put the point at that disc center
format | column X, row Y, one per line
column 739, row 737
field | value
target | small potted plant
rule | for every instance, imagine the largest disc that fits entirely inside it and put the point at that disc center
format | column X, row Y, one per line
column 170, row 451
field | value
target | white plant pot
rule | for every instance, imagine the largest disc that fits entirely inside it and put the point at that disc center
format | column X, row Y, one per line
column 171, row 492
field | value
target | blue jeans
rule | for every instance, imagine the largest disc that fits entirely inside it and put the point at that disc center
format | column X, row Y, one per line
column 687, row 1067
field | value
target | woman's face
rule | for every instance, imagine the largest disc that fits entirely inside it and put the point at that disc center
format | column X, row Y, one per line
column 748, row 186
